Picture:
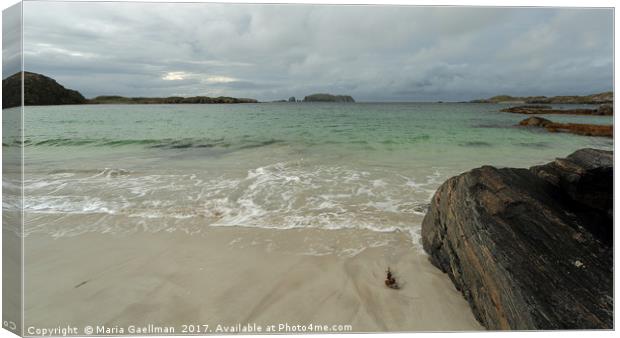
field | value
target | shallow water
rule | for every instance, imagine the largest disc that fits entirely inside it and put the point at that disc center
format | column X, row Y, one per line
column 127, row 168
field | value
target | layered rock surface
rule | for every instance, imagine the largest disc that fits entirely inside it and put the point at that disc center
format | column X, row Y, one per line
column 529, row 248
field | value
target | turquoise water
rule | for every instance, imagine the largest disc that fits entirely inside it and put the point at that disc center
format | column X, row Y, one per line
column 120, row 168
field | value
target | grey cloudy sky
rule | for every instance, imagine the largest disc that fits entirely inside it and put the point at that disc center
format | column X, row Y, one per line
column 268, row 52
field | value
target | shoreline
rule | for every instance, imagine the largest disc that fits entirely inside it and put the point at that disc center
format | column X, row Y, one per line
column 231, row 275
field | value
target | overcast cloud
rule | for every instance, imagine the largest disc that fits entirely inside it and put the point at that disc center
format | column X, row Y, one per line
column 269, row 52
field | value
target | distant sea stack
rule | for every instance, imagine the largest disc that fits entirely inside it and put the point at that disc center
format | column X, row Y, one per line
column 529, row 249
column 328, row 98
column 38, row 90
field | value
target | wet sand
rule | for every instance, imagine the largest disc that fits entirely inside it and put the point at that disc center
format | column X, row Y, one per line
column 233, row 275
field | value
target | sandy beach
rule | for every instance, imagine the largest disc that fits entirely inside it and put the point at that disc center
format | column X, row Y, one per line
column 232, row 275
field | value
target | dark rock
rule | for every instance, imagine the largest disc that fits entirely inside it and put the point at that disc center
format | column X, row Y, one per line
column 529, row 249
column 586, row 176
column 38, row 90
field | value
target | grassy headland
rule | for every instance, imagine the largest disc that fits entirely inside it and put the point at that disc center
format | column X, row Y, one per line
column 600, row 98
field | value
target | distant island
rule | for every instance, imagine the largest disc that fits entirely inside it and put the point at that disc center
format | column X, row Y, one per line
column 40, row 90
column 321, row 97
column 606, row 97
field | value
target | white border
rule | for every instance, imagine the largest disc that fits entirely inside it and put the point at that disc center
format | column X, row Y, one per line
column 490, row 3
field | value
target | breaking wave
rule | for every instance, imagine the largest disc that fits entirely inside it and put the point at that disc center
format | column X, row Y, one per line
column 277, row 196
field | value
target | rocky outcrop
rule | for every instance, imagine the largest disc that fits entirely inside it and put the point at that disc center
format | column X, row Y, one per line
column 328, row 98
column 529, row 248
column 573, row 128
column 39, row 90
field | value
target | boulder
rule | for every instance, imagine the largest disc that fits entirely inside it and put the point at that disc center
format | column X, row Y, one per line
column 529, row 249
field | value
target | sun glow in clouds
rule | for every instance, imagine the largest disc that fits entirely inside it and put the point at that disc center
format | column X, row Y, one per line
column 174, row 76
column 220, row 79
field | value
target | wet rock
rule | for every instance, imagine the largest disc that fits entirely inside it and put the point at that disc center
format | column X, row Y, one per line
column 529, row 248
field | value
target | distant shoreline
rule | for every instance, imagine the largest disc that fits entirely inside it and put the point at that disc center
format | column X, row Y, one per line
column 599, row 98
column 41, row 90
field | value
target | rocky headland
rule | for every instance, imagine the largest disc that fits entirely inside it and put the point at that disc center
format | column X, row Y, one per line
column 573, row 128
column 600, row 98
column 529, row 249
column 328, row 98
column 38, row 90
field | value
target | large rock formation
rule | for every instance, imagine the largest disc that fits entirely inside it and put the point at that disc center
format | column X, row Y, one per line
column 328, row 98
column 38, row 90
column 529, row 249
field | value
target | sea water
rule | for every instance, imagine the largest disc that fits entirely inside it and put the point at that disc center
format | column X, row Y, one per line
column 374, row 166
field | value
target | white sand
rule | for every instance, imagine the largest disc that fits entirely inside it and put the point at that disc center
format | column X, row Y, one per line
column 239, row 275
